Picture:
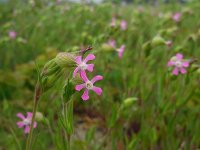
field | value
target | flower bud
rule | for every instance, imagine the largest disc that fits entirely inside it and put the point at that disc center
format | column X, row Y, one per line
column 106, row 47
column 129, row 101
column 49, row 81
column 65, row 60
column 157, row 41
column 39, row 116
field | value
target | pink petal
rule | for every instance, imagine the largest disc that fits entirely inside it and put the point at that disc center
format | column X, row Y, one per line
column 175, row 71
column 29, row 115
column 20, row 124
column 80, row 87
column 97, row 90
column 78, row 59
column 75, row 71
column 183, row 71
column 170, row 63
column 27, row 129
column 85, row 95
column 90, row 67
column 179, row 56
column 89, row 57
column 83, row 76
column 185, row 64
column 35, row 125
column 96, row 78
column 121, row 51
column 20, row 115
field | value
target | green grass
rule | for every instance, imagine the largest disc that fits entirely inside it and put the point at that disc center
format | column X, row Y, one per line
column 166, row 113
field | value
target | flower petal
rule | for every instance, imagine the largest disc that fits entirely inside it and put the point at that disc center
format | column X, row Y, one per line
column 85, row 95
column 27, row 129
column 90, row 67
column 20, row 115
column 89, row 57
column 97, row 90
column 20, row 124
column 96, row 78
column 121, row 51
column 175, row 71
column 83, row 76
column 112, row 43
column 183, row 71
column 78, row 59
column 170, row 63
column 80, row 87
column 185, row 64
column 29, row 115
column 35, row 125
column 179, row 56
column 75, row 71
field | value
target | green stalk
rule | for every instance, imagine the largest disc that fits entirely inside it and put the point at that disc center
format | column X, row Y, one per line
column 36, row 100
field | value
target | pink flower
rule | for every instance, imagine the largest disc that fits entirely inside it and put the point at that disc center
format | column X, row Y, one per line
column 169, row 44
column 26, row 122
column 89, row 85
column 123, row 25
column 112, row 43
column 12, row 34
column 113, row 22
column 179, row 64
column 177, row 16
column 81, row 64
column 121, row 51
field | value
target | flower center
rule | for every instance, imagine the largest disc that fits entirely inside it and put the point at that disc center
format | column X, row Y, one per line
column 27, row 121
column 178, row 64
column 89, row 85
column 83, row 66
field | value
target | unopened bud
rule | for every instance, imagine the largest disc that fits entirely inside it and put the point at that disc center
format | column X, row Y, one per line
column 157, row 41
column 107, row 47
column 129, row 101
column 65, row 60
column 39, row 116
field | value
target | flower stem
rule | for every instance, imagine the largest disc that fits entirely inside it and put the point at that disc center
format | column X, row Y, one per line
column 36, row 100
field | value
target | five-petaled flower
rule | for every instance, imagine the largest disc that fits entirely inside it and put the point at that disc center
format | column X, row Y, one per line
column 26, row 122
column 89, row 85
column 81, row 64
column 179, row 63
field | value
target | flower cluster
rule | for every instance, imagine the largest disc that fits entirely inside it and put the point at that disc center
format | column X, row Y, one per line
column 122, row 23
column 120, row 50
column 88, row 85
column 26, row 122
column 179, row 64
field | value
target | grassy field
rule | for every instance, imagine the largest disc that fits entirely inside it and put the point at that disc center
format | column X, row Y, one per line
column 150, row 97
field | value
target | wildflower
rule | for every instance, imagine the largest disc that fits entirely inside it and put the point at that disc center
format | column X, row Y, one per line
column 121, row 51
column 169, row 43
column 179, row 63
column 123, row 25
column 26, row 122
column 89, row 85
column 81, row 64
column 12, row 34
column 177, row 17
